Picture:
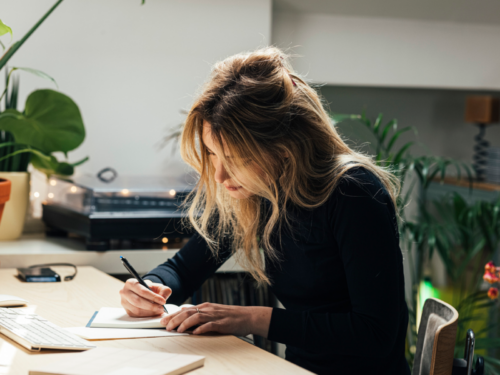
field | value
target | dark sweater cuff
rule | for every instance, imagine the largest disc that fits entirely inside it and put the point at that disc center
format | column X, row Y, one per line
column 286, row 327
column 153, row 278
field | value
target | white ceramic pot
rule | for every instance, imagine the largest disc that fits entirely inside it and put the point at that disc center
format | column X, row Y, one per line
column 15, row 209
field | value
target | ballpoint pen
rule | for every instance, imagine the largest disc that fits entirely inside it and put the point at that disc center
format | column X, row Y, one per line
column 131, row 270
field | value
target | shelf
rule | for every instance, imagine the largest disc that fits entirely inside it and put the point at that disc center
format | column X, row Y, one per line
column 481, row 191
column 37, row 249
column 463, row 182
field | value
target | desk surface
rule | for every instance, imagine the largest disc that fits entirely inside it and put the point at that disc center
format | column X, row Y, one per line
column 38, row 249
column 71, row 304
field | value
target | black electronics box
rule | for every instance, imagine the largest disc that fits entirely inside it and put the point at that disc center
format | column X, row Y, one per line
column 138, row 208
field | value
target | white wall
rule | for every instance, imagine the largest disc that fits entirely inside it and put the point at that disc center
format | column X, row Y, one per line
column 131, row 68
column 344, row 50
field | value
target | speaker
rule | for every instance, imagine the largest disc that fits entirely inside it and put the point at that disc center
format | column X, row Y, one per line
column 482, row 109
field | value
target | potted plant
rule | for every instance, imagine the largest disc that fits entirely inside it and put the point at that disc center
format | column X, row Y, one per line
column 4, row 194
column 50, row 122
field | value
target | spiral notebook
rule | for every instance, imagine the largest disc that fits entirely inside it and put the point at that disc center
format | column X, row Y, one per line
column 116, row 361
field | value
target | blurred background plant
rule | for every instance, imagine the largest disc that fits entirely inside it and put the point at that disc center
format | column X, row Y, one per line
column 463, row 235
column 50, row 122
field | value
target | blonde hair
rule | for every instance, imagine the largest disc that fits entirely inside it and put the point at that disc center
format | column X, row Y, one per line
column 259, row 108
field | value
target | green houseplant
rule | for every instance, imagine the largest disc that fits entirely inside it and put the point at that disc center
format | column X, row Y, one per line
column 50, row 122
column 462, row 235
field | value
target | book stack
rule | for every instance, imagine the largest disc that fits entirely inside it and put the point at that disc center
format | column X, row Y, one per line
column 493, row 165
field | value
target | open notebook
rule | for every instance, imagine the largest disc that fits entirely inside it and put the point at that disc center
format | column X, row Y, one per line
column 117, row 361
column 117, row 317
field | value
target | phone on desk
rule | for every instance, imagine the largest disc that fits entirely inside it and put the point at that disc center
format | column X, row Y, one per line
column 38, row 275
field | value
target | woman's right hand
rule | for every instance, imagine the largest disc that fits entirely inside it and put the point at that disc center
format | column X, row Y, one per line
column 138, row 301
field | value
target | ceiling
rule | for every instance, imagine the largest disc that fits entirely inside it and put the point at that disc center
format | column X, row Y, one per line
column 461, row 11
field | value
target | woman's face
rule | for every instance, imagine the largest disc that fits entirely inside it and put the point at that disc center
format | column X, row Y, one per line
column 221, row 175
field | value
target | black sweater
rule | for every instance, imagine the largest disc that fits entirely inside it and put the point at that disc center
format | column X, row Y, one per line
column 340, row 279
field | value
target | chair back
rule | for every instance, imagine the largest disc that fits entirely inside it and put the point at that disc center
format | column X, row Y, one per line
column 436, row 339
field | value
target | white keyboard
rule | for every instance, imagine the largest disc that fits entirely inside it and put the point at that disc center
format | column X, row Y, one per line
column 35, row 333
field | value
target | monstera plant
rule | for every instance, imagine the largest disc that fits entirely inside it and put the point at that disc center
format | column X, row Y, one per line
column 49, row 123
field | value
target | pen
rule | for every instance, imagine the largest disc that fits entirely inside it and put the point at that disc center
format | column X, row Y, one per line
column 131, row 270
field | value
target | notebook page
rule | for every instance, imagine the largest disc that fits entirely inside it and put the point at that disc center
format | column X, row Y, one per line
column 120, row 333
column 117, row 317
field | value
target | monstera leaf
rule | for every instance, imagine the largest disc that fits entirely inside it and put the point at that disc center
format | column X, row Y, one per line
column 51, row 122
column 51, row 165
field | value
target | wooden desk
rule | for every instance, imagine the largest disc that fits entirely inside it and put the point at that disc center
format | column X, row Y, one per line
column 71, row 304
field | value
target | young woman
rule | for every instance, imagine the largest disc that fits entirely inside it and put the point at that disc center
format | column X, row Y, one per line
column 315, row 220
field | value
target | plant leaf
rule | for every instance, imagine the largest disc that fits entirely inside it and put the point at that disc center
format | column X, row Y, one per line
column 339, row 117
column 10, row 115
column 80, row 162
column 25, row 150
column 401, row 152
column 51, row 122
column 38, row 73
column 391, row 124
column 395, row 137
column 32, row 71
column 51, row 166
column 4, row 29
column 12, row 50
column 377, row 123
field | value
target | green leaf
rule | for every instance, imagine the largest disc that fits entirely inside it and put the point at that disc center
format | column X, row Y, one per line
column 51, row 166
column 80, row 162
column 4, row 29
column 32, row 71
column 51, row 122
column 11, row 102
column 377, row 123
column 8, row 144
column 25, row 150
column 37, row 73
column 13, row 49
column 339, row 117
column 395, row 137
column 492, row 360
column 11, row 115
column 365, row 121
column 391, row 124
column 401, row 152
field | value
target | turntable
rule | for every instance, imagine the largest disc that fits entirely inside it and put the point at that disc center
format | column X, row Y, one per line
column 135, row 208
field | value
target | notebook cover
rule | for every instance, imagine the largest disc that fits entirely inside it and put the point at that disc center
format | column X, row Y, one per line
column 117, row 361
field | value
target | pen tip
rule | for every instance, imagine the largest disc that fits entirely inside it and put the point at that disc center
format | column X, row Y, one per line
column 121, row 257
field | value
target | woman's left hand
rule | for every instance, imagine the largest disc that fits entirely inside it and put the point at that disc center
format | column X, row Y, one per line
column 212, row 317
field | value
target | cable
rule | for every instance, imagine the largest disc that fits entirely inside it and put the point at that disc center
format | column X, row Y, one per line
column 66, row 278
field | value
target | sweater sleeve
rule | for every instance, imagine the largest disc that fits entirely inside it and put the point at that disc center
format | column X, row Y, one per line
column 189, row 268
column 365, row 231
